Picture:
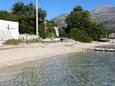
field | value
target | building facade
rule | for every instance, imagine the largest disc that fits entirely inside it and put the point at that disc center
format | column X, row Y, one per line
column 112, row 35
column 9, row 30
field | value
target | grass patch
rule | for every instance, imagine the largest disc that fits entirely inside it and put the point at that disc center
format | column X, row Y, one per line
column 19, row 41
column 13, row 42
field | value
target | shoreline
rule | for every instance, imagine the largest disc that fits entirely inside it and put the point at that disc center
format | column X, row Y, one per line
column 38, row 51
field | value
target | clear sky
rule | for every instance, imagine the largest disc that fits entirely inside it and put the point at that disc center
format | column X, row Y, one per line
column 57, row 7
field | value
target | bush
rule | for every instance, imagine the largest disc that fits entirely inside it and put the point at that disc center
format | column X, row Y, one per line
column 42, row 32
column 13, row 42
column 49, row 34
column 62, row 32
column 79, row 35
column 97, row 31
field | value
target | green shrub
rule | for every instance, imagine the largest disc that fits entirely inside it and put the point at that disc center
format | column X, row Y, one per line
column 49, row 34
column 42, row 32
column 13, row 42
column 62, row 32
column 79, row 35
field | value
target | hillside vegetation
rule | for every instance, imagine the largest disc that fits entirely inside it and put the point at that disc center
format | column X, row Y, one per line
column 80, row 27
column 105, row 15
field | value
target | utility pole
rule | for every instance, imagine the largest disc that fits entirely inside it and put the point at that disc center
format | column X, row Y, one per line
column 37, row 29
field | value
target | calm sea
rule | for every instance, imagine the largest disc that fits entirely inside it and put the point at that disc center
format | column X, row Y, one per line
column 77, row 69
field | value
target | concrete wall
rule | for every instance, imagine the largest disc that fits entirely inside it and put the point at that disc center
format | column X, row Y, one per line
column 9, row 30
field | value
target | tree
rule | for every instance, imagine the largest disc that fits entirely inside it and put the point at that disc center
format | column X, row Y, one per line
column 42, row 32
column 41, row 19
column 25, row 14
column 62, row 32
column 50, row 26
column 30, row 9
column 4, row 15
column 27, row 24
column 97, row 31
column 41, row 14
column 86, row 14
column 27, row 17
column 78, row 9
column 18, row 8
column 8, row 16
column 50, row 30
column 80, row 18
column 79, row 35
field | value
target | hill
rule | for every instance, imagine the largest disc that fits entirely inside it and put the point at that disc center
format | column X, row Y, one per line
column 104, row 15
column 60, row 20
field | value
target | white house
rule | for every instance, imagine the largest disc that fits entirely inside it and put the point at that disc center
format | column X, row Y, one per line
column 112, row 35
column 9, row 30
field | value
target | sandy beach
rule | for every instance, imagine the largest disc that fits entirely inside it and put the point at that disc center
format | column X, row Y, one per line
column 36, row 51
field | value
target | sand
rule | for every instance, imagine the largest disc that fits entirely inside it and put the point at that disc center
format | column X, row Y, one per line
column 37, row 51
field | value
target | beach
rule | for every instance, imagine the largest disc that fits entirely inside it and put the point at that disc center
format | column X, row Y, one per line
column 37, row 51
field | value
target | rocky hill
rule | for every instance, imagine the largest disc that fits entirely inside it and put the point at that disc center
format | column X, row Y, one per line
column 60, row 20
column 105, row 15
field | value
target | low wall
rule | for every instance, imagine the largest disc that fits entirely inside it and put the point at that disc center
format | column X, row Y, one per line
column 27, row 36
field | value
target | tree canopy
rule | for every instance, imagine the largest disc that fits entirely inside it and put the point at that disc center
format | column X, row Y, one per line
column 25, row 14
column 80, row 19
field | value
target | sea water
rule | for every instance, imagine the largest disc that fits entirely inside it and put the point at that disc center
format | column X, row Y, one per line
column 77, row 69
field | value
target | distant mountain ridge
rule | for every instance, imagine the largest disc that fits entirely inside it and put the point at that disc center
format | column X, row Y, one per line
column 106, row 10
column 104, row 15
column 60, row 20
